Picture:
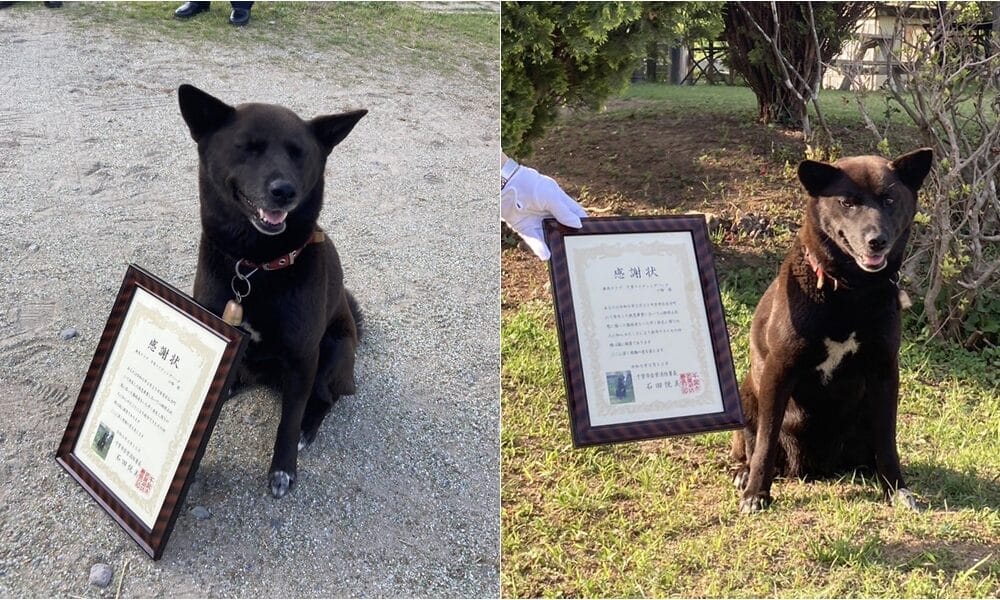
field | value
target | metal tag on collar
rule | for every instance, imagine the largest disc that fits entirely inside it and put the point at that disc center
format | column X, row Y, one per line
column 233, row 313
column 904, row 299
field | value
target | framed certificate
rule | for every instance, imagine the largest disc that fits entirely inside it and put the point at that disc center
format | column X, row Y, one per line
column 148, row 405
column 642, row 333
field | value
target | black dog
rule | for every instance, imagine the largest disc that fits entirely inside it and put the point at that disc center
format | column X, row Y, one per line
column 260, row 179
column 822, row 391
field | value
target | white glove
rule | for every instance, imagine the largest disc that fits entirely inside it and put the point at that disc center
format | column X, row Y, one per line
column 528, row 198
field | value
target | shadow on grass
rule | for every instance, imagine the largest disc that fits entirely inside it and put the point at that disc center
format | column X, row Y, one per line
column 950, row 489
column 952, row 557
column 939, row 488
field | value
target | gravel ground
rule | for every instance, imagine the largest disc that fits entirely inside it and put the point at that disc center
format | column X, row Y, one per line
column 399, row 496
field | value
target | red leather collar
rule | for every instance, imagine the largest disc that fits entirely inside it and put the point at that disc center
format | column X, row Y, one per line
column 821, row 276
column 287, row 260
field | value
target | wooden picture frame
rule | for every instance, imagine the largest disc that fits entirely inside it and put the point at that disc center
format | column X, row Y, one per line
column 642, row 333
column 148, row 405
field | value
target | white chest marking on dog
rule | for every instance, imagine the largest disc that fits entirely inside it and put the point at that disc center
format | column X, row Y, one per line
column 835, row 353
column 254, row 334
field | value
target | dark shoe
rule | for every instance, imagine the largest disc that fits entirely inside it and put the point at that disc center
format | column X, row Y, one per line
column 52, row 4
column 6, row 4
column 240, row 16
column 190, row 9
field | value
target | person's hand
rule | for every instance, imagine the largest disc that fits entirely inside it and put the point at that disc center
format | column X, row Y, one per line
column 528, row 198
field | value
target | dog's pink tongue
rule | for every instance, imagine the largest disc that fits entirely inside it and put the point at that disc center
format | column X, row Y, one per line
column 272, row 217
column 874, row 261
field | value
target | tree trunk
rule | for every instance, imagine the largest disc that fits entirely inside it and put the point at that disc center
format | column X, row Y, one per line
column 783, row 89
column 996, row 26
column 678, row 65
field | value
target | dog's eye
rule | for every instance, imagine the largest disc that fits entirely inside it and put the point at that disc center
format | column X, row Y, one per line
column 887, row 200
column 846, row 203
column 255, row 146
column 294, row 151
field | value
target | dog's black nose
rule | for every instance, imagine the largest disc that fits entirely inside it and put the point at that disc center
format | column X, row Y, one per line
column 281, row 191
column 877, row 243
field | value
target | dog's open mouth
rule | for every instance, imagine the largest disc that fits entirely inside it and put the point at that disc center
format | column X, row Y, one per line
column 872, row 262
column 268, row 222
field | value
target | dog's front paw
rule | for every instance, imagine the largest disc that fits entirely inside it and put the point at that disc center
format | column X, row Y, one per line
column 752, row 503
column 905, row 498
column 281, row 482
column 741, row 477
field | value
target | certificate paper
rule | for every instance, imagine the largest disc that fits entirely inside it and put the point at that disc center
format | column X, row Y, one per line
column 148, row 405
column 641, row 328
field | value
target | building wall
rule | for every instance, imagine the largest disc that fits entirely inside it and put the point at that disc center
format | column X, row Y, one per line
column 884, row 39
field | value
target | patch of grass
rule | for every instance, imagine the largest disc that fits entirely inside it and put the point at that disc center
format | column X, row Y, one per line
column 840, row 108
column 846, row 551
column 660, row 518
column 383, row 34
column 718, row 99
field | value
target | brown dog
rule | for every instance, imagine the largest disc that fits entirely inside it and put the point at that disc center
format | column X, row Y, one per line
column 822, row 390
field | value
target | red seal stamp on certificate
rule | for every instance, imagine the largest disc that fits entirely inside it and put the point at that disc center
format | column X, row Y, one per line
column 690, row 383
column 144, row 482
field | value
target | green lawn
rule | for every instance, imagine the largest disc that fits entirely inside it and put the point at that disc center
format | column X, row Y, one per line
column 660, row 518
column 840, row 108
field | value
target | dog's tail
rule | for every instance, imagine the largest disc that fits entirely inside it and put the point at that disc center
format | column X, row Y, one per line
column 359, row 317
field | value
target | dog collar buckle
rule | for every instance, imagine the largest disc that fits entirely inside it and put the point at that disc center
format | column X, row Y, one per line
column 280, row 263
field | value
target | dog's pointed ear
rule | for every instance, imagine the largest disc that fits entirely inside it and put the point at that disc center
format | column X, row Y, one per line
column 330, row 130
column 817, row 176
column 913, row 167
column 202, row 112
